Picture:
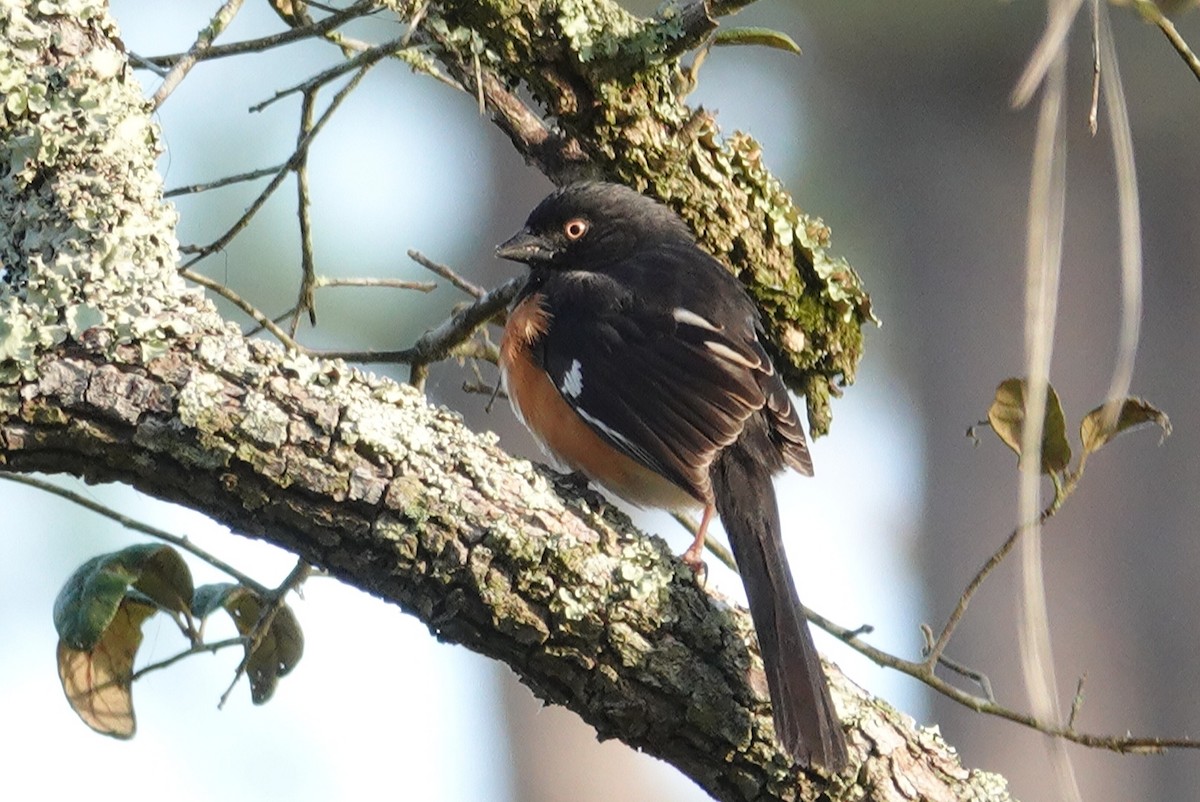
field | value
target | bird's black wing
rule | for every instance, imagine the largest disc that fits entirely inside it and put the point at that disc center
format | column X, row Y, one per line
column 669, row 386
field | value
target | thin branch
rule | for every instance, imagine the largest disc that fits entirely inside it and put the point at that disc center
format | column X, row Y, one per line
column 277, row 319
column 938, row 648
column 978, row 677
column 204, row 40
column 557, row 157
column 440, row 342
column 922, row 672
column 137, row 526
column 308, row 271
column 1152, row 12
column 241, row 303
column 469, row 287
column 192, row 189
column 393, row 283
column 262, row 44
column 143, row 63
column 364, row 60
column 199, row 648
column 244, row 220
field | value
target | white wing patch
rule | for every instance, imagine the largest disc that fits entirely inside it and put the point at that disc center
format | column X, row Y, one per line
column 725, row 352
column 572, row 380
column 689, row 318
column 630, row 446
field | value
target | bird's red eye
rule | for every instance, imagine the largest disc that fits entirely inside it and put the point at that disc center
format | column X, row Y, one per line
column 575, row 228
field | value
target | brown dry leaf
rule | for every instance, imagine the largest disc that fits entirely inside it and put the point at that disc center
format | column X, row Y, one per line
column 97, row 681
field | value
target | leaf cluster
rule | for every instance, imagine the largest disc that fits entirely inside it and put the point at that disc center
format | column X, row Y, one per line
column 1009, row 411
column 99, row 615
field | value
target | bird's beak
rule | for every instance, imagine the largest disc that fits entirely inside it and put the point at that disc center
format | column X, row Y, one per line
column 525, row 246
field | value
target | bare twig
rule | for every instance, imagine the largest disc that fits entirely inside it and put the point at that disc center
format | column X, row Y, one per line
column 978, row 677
column 364, row 60
column 938, row 648
column 924, row 673
column 137, row 526
column 192, row 189
column 308, row 271
column 1152, row 12
column 306, row 141
column 469, row 287
column 557, row 157
column 262, row 44
column 198, row 648
column 277, row 319
column 392, row 283
column 204, row 40
column 441, row 341
column 241, row 303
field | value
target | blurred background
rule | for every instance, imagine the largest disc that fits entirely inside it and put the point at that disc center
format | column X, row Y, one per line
column 895, row 127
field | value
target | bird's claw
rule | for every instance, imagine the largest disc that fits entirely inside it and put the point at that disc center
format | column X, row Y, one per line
column 692, row 559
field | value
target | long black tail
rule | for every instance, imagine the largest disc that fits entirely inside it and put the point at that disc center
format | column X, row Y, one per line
column 805, row 721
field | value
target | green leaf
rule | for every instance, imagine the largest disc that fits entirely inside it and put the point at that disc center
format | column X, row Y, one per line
column 97, row 681
column 1133, row 412
column 209, row 598
column 279, row 648
column 88, row 602
column 165, row 578
column 766, row 37
column 1007, row 418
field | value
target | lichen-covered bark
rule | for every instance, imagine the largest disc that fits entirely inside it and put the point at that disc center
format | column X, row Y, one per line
column 111, row 370
column 365, row 479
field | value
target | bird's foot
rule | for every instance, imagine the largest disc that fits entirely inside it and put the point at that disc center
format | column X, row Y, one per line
column 692, row 559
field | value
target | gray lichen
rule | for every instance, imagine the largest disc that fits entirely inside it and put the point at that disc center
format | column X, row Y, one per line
column 85, row 237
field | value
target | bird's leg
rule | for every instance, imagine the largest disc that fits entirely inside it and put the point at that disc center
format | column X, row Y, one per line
column 691, row 558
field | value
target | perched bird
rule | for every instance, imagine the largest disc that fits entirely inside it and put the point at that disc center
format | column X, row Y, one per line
column 633, row 355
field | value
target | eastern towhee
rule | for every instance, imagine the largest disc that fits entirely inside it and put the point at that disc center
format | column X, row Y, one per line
column 634, row 356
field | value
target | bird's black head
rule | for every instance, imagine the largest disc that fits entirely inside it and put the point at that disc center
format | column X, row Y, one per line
column 592, row 220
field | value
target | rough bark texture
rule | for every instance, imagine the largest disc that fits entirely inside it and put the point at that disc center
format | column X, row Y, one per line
column 112, row 370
